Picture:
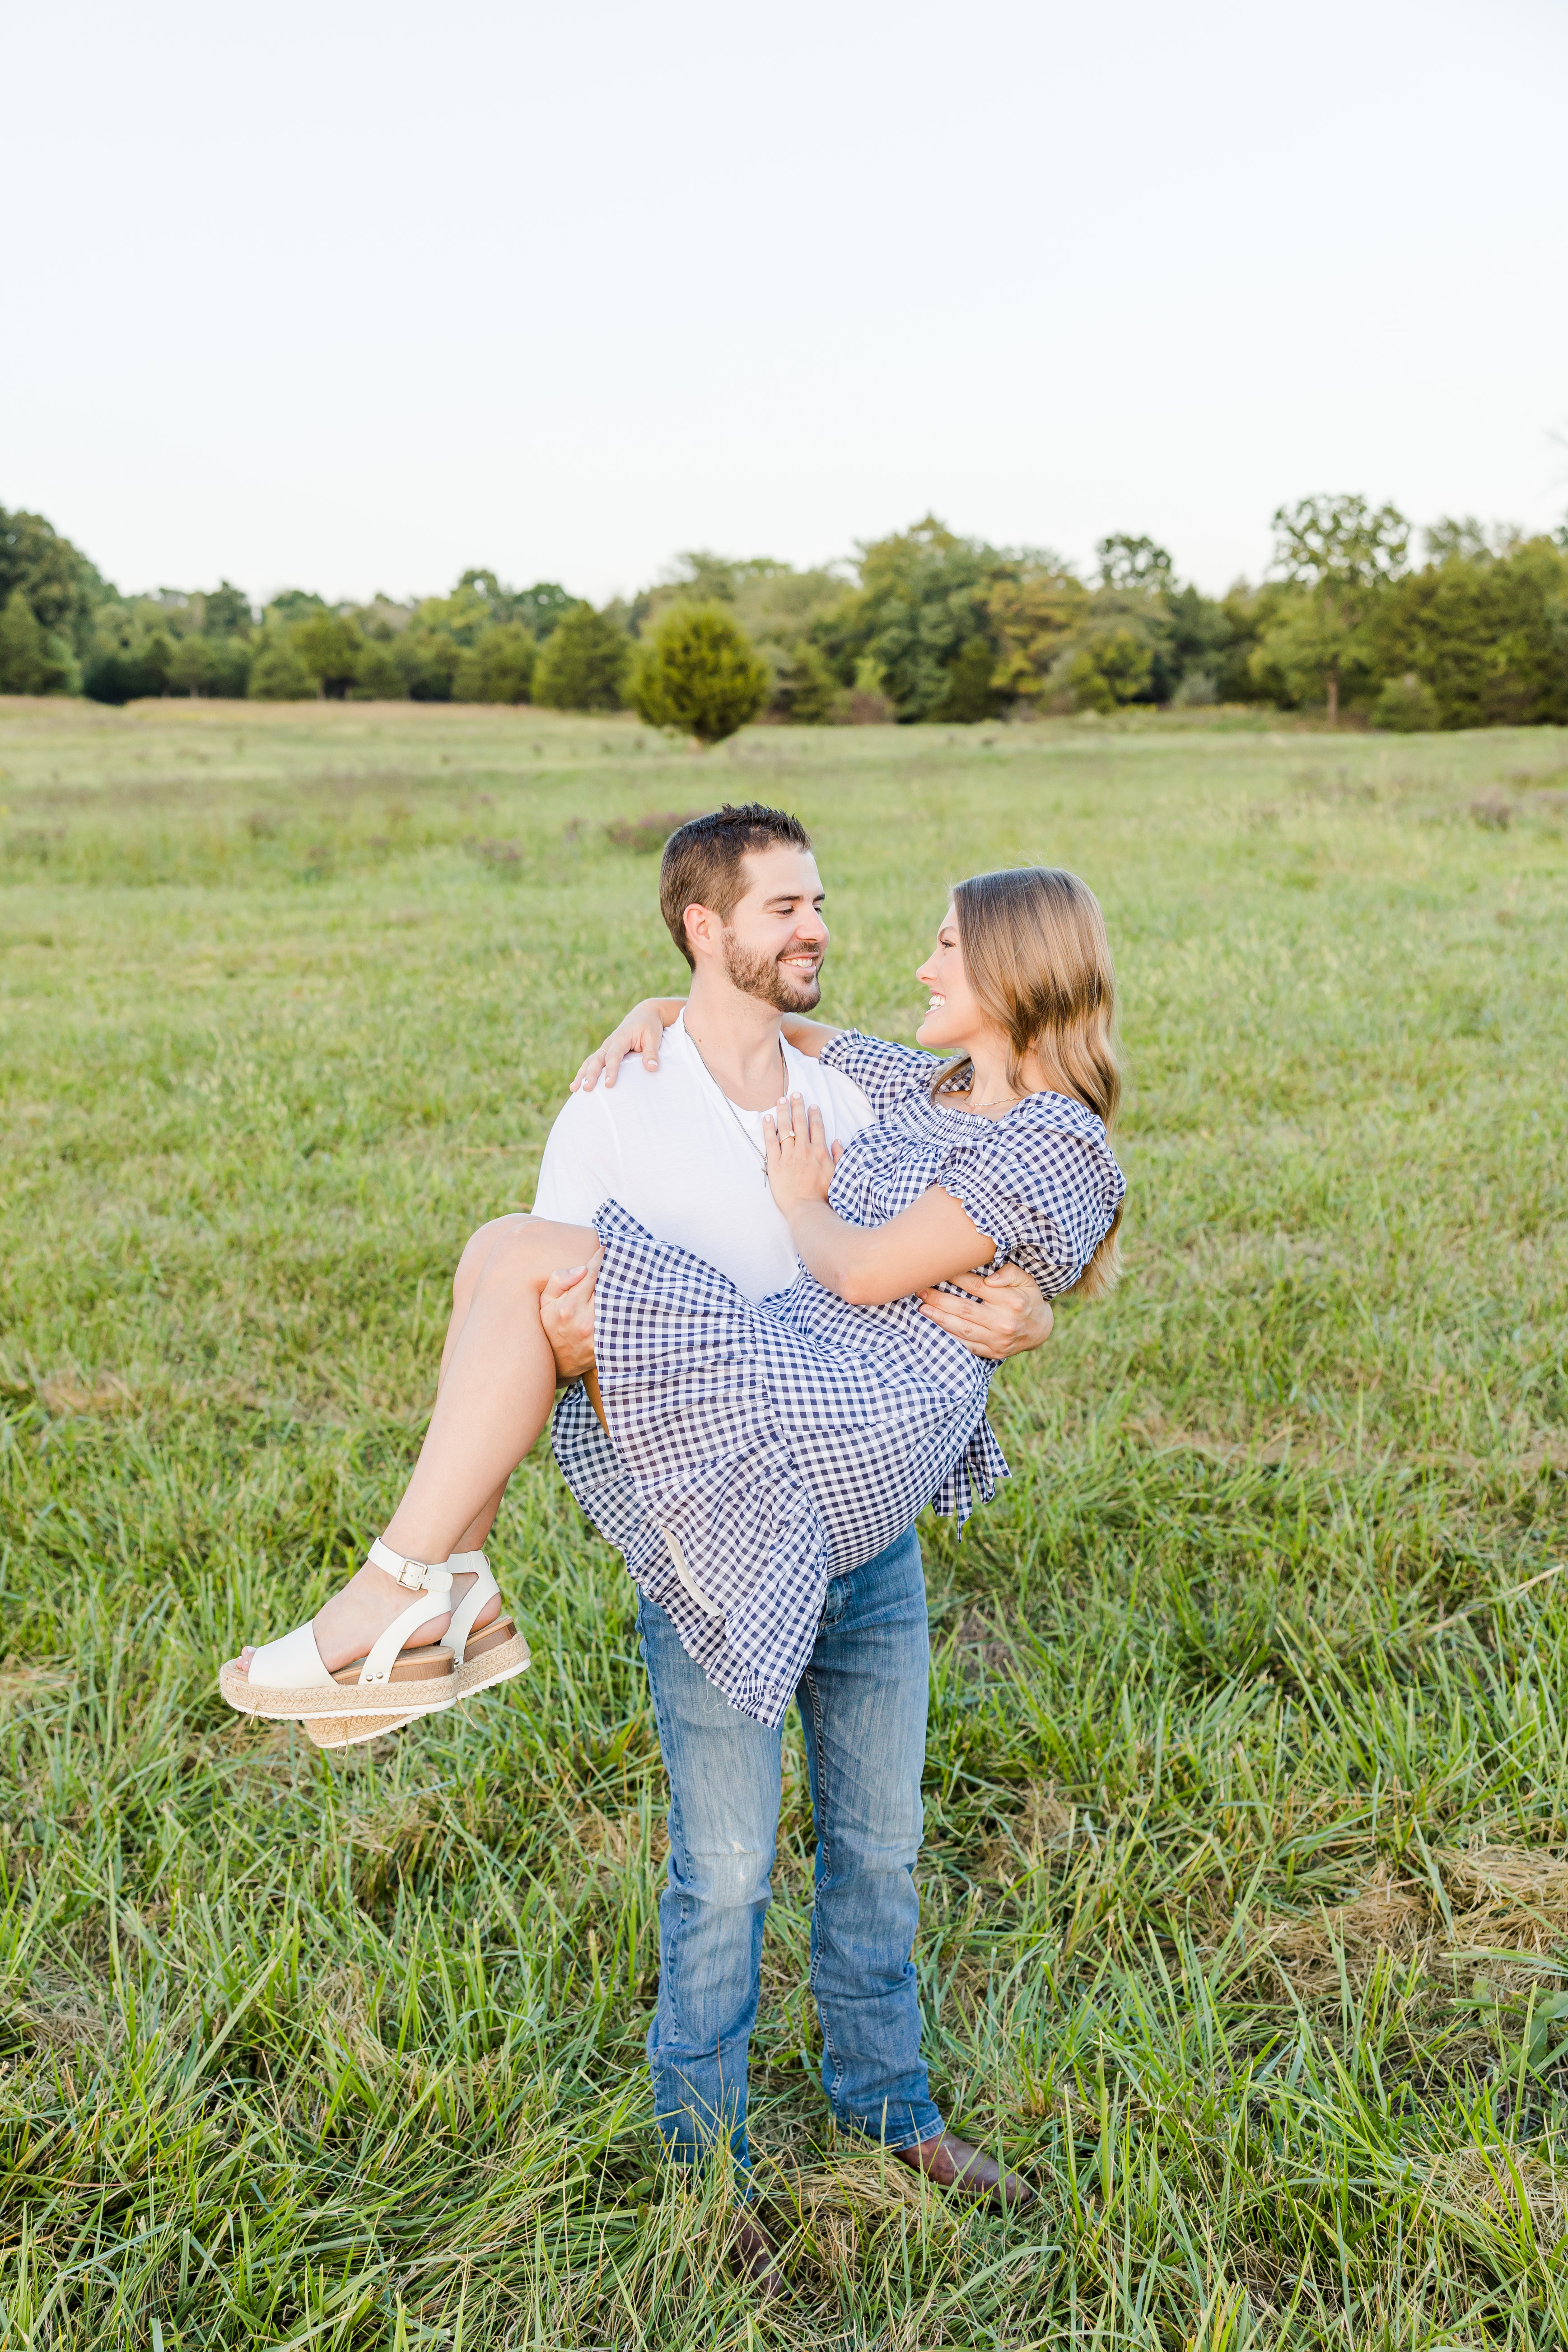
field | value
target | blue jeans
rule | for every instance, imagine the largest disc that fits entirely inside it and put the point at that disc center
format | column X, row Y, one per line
column 862, row 1701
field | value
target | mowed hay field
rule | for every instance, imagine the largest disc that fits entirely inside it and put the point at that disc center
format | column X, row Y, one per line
column 1244, row 1896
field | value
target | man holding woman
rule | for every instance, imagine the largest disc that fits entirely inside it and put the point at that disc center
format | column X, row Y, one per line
column 769, row 1458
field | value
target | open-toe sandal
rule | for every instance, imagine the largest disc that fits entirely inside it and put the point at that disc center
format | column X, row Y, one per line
column 391, row 1684
column 493, row 1654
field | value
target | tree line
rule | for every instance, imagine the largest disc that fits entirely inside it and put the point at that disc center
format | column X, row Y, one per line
column 923, row 625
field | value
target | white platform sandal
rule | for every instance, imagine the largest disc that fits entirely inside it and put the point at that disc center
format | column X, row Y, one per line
column 287, row 1681
column 491, row 1656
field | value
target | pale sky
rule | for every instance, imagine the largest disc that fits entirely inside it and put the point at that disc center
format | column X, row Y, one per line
column 349, row 296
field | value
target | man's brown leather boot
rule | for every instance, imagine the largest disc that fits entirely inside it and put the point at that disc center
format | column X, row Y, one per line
column 953, row 2163
column 754, row 2255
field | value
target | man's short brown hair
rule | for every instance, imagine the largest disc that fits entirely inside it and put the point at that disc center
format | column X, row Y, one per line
column 702, row 865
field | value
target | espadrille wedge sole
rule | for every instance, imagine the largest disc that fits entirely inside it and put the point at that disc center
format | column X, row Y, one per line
column 492, row 1655
column 287, row 1681
column 429, row 1668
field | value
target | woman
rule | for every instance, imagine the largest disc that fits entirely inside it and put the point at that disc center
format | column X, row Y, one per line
column 755, row 1451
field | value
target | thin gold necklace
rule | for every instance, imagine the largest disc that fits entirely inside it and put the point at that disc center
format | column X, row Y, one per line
column 759, row 1149
column 973, row 1107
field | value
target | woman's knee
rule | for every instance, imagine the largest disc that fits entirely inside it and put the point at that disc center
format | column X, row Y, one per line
column 478, row 1250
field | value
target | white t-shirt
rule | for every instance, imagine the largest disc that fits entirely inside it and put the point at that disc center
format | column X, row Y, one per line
column 685, row 1161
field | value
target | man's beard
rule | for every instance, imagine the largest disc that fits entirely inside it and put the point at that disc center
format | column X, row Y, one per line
column 760, row 976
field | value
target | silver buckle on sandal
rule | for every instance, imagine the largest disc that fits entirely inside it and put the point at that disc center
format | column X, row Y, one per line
column 418, row 1576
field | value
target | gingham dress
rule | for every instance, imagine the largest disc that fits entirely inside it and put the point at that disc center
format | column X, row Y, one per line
column 782, row 1443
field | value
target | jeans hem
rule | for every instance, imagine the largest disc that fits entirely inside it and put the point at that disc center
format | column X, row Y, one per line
column 874, row 2132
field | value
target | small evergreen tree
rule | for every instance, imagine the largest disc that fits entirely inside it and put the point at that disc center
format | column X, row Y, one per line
column 583, row 663
column 805, row 692
column 699, row 673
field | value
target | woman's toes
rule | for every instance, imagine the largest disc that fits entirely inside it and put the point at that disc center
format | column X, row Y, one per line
column 245, row 1656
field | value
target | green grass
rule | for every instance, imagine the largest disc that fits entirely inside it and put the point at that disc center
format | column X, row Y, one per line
column 1244, row 1921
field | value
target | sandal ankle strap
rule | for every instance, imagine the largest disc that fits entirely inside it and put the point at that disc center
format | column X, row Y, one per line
column 416, row 1575
column 423, row 1577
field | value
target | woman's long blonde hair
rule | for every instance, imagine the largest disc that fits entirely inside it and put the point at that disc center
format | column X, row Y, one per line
column 1039, row 961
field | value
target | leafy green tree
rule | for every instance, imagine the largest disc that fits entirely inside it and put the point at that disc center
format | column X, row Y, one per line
column 498, row 666
column 698, row 673
column 226, row 612
column 377, row 677
column 1344, row 554
column 1487, row 634
column 329, row 647
column 1033, row 617
column 971, row 692
column 62, row 588
column 292, row 605
column 30, row 662
column 1109, row 666
column 583, row 662
column 805, row 692
column 924, row 593
column 461, row 616
column 277, row 672
column 190, row 672
column 1406, row 706
column 537, row 609
column 1476, row 543
column 1134, row 565
column 228, row 668
column 427, row 658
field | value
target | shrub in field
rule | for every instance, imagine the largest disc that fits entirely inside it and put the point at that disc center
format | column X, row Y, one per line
column 498, row 666
column 583, row 662
column 1408, row 706
column 700, row 674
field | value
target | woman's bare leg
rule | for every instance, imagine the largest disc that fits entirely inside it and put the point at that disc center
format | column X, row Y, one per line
column 497, row 1386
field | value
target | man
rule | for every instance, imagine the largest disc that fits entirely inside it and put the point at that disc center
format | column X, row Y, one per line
column 679, row 1143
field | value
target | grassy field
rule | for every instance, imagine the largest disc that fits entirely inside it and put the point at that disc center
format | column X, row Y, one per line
column 1245, row 1901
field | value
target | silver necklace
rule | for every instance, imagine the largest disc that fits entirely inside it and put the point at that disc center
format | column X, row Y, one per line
column 759, row 1149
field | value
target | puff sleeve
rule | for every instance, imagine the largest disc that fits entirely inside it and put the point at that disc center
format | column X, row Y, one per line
column 885, row 1074
column 1045, row 1186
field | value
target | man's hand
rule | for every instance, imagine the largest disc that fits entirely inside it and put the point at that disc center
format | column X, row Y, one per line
column 1009, row 1314
column 566, row 1311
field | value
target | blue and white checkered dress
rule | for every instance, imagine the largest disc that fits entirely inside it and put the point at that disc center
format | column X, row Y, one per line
column 781, row 1444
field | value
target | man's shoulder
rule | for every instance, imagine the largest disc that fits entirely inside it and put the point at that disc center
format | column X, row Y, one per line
column 633, row 1098
column 832, row 1090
